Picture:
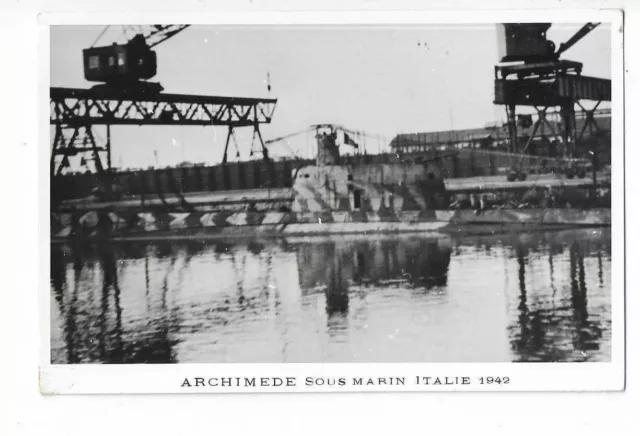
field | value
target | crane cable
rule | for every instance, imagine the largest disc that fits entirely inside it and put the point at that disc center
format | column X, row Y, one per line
column 287, row 136
column 101, row 34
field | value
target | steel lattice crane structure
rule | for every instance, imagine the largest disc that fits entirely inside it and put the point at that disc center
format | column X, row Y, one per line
column 124, row 96
column 541, row 80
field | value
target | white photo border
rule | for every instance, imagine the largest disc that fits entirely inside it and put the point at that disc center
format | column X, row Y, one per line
column 169, row 378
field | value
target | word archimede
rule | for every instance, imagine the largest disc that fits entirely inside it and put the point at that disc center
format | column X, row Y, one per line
column 288, row 382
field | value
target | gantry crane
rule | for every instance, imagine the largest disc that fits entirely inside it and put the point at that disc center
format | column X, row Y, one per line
column 124, row 96
column 539, row 78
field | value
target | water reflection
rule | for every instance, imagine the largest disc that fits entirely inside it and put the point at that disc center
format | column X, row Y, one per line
column 336, row 291
column 418, row 263
column 538, row 297
column 560, row 329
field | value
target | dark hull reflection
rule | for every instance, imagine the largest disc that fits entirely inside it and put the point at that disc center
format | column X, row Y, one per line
column 419, row 263
column 533, row 297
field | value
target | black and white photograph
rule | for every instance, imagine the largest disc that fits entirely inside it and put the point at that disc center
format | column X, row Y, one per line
column 320, row 217
column 345, row 193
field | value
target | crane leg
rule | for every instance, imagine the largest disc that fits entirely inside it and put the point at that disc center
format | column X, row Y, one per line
column 265, row 152
column 58, row 141
column 226, row 145
column 568, row 131
column 108, row 146
column 513, row 128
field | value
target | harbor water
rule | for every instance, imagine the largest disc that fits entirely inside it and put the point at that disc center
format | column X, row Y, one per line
column 502, row 298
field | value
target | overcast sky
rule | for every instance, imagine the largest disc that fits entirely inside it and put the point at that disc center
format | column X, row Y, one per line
column 381, row 80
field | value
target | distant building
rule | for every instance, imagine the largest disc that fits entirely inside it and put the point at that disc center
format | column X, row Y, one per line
column 426, row 141
column 488, row 137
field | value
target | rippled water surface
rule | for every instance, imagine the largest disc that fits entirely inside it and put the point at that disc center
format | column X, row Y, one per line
column 531, row 297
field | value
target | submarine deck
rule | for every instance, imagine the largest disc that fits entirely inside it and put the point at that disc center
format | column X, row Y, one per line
column 284, row 195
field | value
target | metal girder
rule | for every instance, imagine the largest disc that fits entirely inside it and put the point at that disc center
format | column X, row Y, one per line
column 72, row 107
column 557, row 91
column 537, row 69
column 79, row 140
column 583, row 88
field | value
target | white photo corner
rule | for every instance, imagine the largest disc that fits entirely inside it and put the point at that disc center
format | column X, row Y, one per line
column 312, row 202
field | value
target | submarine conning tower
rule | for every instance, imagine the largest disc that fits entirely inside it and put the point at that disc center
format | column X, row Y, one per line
column 328, row 151
column 335, row 190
